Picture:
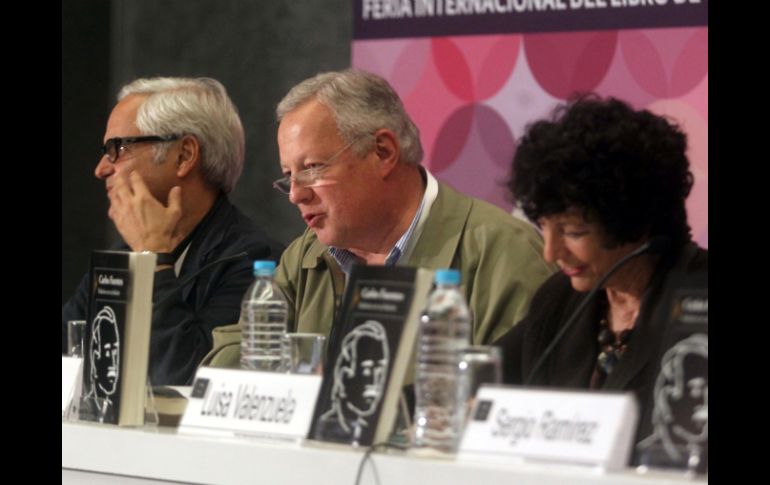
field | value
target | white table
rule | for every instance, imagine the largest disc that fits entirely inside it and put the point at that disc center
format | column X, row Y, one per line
column 108, row 454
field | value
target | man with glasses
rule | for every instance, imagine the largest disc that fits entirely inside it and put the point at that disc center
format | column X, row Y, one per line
column 174, row 147
column 351, row 156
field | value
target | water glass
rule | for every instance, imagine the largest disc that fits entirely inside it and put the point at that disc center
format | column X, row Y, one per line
column 479, row 364
column 76, row 330
column 303, row 353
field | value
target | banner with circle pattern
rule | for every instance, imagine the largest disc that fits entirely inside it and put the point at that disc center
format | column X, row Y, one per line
column 471, row 86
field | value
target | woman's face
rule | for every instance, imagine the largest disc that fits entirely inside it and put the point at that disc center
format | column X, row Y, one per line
column 578, row 247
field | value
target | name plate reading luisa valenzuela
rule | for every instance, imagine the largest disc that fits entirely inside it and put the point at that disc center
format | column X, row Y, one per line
column 570, row 427
column 234, row 401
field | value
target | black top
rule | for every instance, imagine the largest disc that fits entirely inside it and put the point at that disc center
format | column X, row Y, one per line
column 181, row 327
column 574, row 357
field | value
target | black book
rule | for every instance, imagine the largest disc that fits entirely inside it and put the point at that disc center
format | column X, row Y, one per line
column 674, row 429
column 117, row 340
column 370, row 348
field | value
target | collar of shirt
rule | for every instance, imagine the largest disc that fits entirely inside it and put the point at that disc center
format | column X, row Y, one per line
column 180, row 252
column 403, row 247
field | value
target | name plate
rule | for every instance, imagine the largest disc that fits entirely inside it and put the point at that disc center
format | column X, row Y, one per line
column 581, row 428
column 71, row 379
column 268, row 404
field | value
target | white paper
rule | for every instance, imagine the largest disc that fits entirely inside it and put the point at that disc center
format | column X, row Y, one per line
column 266, row 404
column 582, row 428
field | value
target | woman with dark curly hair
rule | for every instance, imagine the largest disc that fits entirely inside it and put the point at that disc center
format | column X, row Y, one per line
column 601, row 180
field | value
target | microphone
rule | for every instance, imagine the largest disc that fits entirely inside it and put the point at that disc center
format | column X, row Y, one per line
column 252, row 254
column 656, row 245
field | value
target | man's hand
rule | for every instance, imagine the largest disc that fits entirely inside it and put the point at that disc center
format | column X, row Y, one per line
column 143, row 221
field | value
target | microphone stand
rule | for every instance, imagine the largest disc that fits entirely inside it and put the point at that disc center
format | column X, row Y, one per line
column 654, row 245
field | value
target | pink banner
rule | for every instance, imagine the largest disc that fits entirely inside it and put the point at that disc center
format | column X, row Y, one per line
column 472, row 95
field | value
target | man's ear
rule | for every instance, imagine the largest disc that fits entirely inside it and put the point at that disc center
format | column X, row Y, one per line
column 387, row 149
column 188, row 156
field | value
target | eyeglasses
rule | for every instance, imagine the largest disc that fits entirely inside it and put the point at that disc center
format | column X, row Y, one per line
column 309, row 176
column 115, row 146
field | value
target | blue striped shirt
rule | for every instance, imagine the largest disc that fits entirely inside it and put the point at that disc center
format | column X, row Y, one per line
column 346, row 259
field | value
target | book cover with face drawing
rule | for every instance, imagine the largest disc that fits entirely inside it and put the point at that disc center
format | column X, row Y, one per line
column 675, row 428
column 370, row 347
column 117, row 337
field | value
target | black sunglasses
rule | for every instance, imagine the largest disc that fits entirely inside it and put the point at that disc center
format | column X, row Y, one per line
column 114, row 146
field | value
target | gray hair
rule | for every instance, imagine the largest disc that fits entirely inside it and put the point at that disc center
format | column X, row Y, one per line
column 361, row 103
column 198, row 107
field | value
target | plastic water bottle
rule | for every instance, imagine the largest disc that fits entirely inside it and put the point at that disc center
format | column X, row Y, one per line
column 263, row 321
column 445, row 329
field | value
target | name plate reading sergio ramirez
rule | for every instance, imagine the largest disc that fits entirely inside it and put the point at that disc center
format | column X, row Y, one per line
column 571, row 427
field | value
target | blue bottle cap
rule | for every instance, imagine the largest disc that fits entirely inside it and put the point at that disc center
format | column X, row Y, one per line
column 447, row 277
column 264, row 268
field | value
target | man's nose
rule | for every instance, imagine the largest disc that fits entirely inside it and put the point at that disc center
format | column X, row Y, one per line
column 104, row 168
column 299, row 193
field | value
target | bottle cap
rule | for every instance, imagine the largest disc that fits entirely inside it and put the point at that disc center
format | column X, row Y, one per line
column 447, row 276
column 264, row 268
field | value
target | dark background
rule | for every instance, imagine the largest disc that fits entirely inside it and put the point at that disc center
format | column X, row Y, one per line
column 258, row 50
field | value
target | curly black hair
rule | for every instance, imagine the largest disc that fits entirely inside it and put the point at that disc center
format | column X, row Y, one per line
column 625, row 169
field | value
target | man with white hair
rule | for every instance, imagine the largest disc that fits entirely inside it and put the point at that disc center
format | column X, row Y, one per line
column 173, row 150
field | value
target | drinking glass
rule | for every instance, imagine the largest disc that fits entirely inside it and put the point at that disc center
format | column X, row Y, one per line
column 478, row 364
column 76, row 330
column 303, row 353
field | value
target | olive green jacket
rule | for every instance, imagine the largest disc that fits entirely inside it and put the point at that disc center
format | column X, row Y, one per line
column 499, row 257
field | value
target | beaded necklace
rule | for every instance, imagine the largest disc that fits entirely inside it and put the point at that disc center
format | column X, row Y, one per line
column 612, row 346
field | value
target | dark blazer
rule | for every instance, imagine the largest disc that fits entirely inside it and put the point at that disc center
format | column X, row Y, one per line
column 181, row 328
column 574, row 357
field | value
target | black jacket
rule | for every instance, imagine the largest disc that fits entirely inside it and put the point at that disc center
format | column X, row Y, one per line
column 181, row 328
column 574, row 357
